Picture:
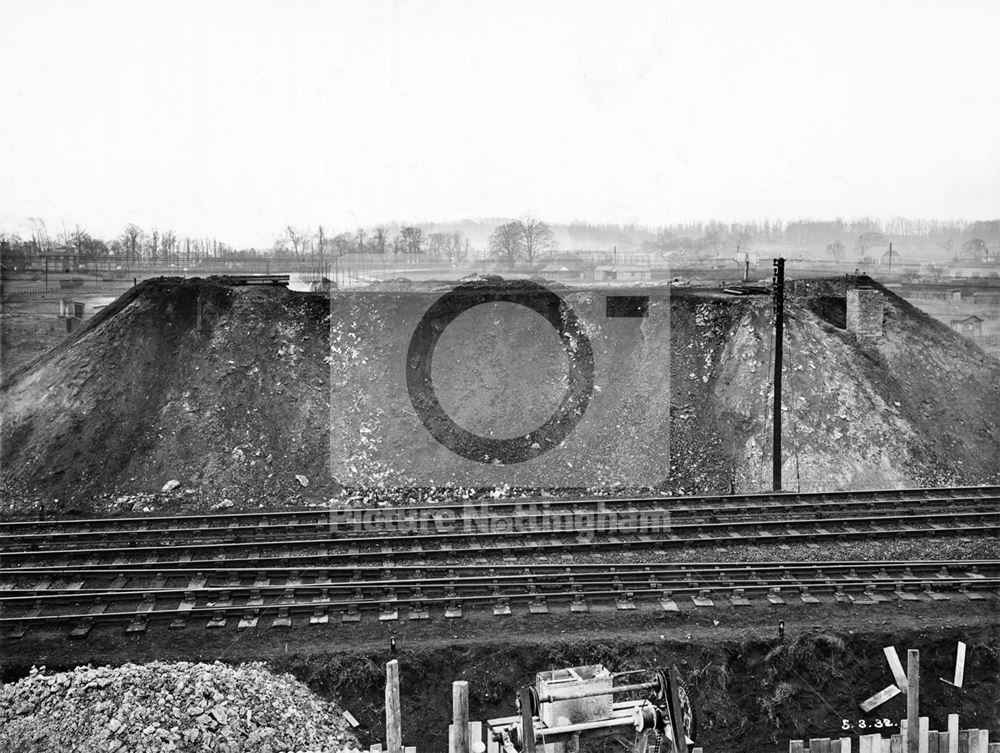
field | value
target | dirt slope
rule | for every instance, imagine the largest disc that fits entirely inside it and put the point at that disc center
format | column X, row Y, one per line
column 275, row 384
column 142, row 395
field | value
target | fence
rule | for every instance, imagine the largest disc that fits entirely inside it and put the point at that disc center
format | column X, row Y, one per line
column 928, row 741
column 915, row 735
column 26, row 291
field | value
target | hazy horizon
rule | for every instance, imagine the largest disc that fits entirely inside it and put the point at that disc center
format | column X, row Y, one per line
column 233, row 120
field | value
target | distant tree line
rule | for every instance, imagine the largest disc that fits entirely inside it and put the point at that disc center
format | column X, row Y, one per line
column 408, row 240
column 512, row 241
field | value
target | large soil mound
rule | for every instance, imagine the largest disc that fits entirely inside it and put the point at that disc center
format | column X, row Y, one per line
column 261, row 396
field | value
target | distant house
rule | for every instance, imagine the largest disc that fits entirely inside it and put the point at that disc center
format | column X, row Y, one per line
column 622, row 272
column 559, row 272
column 76, row 311
column 970, row 326
column 883, row 256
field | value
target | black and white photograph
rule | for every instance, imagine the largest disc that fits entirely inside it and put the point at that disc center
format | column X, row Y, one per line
column 455, row 376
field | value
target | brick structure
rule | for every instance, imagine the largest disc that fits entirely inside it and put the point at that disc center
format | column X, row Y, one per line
column 864, row 313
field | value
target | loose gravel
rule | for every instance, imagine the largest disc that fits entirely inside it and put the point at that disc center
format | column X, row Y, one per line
column 161, row 706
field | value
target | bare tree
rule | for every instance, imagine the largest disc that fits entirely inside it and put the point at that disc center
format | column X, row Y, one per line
column 438, row 245
column 154, row 243
column 413, row 238
column 457, row 248
column 132, row 242
column 380, row 240
column 296, row 238
column 167, row 242
column 343, row 244
column 39, row 234
column 507, row 242
column 321, row 249
column 836, row 250
column 536, row 237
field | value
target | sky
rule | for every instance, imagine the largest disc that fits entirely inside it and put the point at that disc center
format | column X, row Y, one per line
column 236, row 118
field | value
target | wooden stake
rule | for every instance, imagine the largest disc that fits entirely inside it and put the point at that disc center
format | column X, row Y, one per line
column 913, row 701
column 460, row 716
column 952, row 733
column 896, row 666
column 393, row 717
column 527, row 722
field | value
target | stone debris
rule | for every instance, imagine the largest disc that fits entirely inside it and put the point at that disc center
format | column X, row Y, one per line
column 170, row 485
column 164, row 706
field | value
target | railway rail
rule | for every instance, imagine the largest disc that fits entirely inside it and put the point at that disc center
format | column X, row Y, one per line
column 500, row 536
column 320, row 593
column 273, row 523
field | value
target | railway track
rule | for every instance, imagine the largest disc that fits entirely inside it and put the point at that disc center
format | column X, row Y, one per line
column 413, row 560
column 83, row 598
column 437, row 518
column 503, row 538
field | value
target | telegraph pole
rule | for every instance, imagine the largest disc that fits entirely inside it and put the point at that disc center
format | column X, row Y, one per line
column 779, row 331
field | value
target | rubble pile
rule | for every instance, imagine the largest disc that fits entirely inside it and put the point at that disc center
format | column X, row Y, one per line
column 165, row 706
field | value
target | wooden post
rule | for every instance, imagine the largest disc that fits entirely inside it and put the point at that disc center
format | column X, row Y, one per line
column 870, row 743
column 960, row 666
column 952, row 733
column 923, row 740
column 896, row 666
column 913, row 701
column 779, row 329
column 527, row 722
column 460, row 716
column 393, row 717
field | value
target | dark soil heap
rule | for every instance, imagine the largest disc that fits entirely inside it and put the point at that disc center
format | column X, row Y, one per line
column 273, row 397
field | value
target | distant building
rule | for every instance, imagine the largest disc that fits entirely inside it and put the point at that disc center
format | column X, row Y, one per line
column 883, row 256
column 622, row 272
column 76, row 311
column 970, row 326
column 559, row 272
column 561, row 266
column 308, row 282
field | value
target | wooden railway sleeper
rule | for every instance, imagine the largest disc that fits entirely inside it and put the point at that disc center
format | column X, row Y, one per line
column 967, row 592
